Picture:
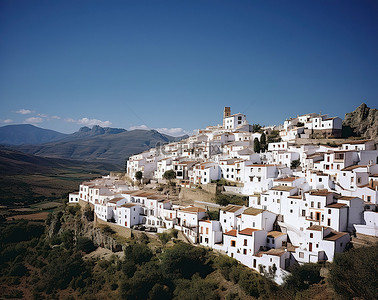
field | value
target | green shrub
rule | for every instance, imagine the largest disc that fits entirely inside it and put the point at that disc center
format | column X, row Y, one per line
column 302, row 276
column 353, row 274
column 85, row 244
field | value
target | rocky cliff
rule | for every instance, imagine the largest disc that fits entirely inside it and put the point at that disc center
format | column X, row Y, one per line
column 78, row 224
column 363, row 122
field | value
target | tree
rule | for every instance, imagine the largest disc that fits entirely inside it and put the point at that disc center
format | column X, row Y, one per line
column 256, row 127
column 139, row 176
column 85, row 244
column 295, row 164
column 256, row 145
column 274, row 137
column 302, row 276
column 169, row 175
column 263, row 141
column 353, row 274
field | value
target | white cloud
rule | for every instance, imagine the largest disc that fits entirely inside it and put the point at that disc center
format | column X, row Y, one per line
column 170, row 131
column 7, row 121
column 33, row 120
column 89, row 122
column 173, row 131
column 23, row 111
column 144, row 127
column 55, row 117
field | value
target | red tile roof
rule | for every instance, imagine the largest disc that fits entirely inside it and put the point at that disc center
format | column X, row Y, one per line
column 248, row 231
column 232, row 232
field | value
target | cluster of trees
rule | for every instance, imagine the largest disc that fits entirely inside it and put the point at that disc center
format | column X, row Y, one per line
column 224, row 199
column 155, row 269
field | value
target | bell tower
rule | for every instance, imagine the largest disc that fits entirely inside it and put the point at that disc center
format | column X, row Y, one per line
column 226, row 113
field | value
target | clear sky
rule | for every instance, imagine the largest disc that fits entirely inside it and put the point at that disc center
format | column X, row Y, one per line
column 174, row 65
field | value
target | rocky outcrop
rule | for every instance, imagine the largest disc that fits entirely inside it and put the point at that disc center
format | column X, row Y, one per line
column 362, row 122
column 80, row 226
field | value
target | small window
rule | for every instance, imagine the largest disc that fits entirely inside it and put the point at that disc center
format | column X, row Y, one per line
column 233, row 243
column 245, row 242
column 311, row 235
column 301, row 255
column 245, row 251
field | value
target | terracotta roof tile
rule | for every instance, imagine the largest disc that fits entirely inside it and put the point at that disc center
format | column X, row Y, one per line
column 248, row 231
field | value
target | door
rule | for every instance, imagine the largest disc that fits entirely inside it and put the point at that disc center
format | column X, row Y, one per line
column 310, row 247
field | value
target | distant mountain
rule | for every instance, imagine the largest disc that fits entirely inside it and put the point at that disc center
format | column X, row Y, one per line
column 15, row 162
column 96, row 130
column 363, row 122
column 27, row 134
column 110, row 147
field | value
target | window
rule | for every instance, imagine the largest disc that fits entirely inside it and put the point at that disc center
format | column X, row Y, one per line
column 311, row 235
column 318, row 204
column 312, row 203
column 207, row 230
column 329, row 211
column 368, row 198
column 245, row 251
column 245, row 242
column 301, row 255
column 328, row 222
column 254, row 263
column 233, row 243
column 320, row 179
column 303, row 213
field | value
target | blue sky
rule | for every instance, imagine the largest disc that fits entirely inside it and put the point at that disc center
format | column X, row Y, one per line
column 174, row 65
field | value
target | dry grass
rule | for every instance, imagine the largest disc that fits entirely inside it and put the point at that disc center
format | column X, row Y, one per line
column 41, row 216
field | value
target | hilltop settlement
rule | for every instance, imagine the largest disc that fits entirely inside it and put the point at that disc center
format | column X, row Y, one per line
column 306, row 198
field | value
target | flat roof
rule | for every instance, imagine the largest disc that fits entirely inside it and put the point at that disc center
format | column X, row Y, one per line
column 253, row 211
column 275, row 234
column 231, row 208
column 193, row 209
column 317, row 227
column 320, row 192
column 335, row 235
column 283, row 188
column 336, row 205
column 287, row 179
column 128, row 205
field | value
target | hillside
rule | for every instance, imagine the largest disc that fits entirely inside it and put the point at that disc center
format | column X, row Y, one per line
column 362, row 122
column 113, row 148
column 27, row 134
column 14, row 162
column 27, row 179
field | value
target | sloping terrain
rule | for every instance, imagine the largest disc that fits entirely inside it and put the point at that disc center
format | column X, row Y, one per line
column 14, row 162
column 27, row 134
column 113, row 148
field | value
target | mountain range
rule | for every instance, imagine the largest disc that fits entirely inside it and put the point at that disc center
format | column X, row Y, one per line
column 96, row 144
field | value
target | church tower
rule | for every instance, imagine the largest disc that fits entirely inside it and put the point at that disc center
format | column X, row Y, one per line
column 226, row 113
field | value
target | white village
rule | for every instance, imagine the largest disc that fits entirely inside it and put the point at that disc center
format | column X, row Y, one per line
column 306, row 199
